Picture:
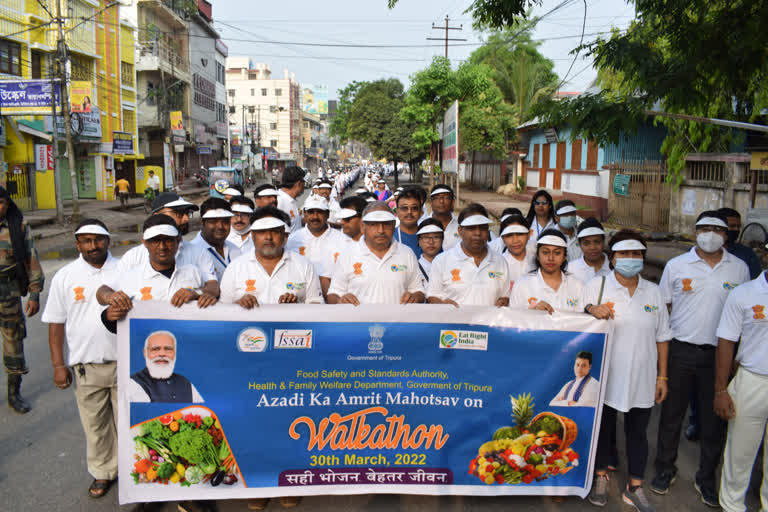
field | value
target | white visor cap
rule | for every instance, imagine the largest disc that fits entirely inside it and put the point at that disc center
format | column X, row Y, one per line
column 429, row 228
column 475, row 220
column 265, row 223
column 218, row 213
column 160, row 230
column 590, row 232
column 712, row 221
column 92, row 229
column 628, row 245
column 514, row 228
column 551, row 240
column 379, row 216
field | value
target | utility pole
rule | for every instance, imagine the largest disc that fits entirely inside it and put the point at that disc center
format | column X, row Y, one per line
column 55, row 132
column 446, row 39
column 61, row 47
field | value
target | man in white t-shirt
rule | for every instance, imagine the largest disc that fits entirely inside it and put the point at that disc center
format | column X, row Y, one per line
column 270, row 274
column 216, row 215
column 377, row 269
column 744, row 402
column 73, row 317
column 240, row 227
column 584, row 390
column 695, row 286
column 291, row 188
column 442, row 199
column 153, row 182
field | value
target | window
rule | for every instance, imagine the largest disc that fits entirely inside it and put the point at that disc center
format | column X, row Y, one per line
column 272, row 109
column 231, row 93
column 150, row 94
column 126, row 74
column 82, row 68
column 231, row 109
column 273, row 126
column 37, row 65
column 273, row 143
column 278, row 92
column 263, row 92
column 591, row 156
column 576, row 154
column 129, row 121
column 253, row 92
column 10, row 58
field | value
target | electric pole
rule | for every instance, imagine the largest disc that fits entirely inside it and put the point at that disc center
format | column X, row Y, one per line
column 55, row 133
column 446, row 38
column 61, row 49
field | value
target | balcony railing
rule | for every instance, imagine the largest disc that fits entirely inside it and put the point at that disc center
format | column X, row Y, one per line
column 164, row 53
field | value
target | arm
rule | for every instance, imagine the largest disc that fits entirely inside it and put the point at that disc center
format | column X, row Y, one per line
column 314, row 293
column 34, row 271
column 723, row 404
column 559, row 399
column 62, row 377
column 662, row 377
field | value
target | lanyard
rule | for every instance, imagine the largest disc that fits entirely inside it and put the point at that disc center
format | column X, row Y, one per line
column 218, row 256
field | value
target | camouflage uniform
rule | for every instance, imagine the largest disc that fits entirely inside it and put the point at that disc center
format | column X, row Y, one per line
column 12, row 325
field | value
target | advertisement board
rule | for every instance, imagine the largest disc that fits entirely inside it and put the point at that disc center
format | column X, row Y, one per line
column 314, row 99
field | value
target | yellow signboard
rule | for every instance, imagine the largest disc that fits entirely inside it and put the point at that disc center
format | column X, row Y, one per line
column 80, row 96
column 759, row 160
column 177, row 121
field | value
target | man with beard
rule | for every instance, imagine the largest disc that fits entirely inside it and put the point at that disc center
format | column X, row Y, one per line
column 409, row 211
column 470, row 274
column 72, row 314
column 157, row 382
column 270, row 274
column 214, row 230
column 171, row 205
column 240, row 227
column 317, row 241
column 20, row 273
column 265, row 195
column 291, row 188
column 377, row 269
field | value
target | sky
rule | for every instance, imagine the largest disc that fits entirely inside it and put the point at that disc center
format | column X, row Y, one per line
column 246, row 26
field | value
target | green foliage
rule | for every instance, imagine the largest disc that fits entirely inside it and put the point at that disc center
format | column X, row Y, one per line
column 338, row 126
column 494, row 13
column 521, row 184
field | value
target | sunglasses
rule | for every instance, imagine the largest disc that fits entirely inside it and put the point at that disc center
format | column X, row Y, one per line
column 541, row 203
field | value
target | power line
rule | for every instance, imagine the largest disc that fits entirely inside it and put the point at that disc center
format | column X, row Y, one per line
column 578, row 50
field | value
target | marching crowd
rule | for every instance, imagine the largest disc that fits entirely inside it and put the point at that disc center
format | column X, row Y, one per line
column 698, row 339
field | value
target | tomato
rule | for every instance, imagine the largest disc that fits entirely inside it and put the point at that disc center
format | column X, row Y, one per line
column 166, row 420
column 527, row 479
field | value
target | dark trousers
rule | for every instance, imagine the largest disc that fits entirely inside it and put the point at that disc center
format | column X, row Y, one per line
column 635, row 429
column 691, row 369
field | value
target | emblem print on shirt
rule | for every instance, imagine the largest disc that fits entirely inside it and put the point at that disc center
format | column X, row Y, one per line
column 456, row 275
column 532, row 301
column 648, row 308
column 687, row 284
column 250, row 285
column 358, row 268
column 146, row 293
column 335, row 257
column 398, row 268
column 572, row 303
column 302, row 250
column 295, row 286
column 496, row 275
column 759, row 311
column 729, row 286
column 79, row 296
column 292, row 214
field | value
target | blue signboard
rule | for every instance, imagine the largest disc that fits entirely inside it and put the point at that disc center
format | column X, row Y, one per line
column 18, row 97
column 304, row 399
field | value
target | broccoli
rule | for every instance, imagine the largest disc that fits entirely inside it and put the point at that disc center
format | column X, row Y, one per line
column 165, row 470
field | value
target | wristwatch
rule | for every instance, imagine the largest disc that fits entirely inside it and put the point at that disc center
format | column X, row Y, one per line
column 586, row 308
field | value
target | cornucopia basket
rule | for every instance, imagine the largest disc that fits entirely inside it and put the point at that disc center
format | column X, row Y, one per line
column 570, row 430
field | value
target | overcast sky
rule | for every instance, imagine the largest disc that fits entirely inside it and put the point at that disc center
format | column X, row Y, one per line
column 244, row 26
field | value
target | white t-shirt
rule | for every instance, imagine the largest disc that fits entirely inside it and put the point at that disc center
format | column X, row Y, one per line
column 517, row 268
column 292, row 274
column 451, row 233
column 745, row 316
column 72, row 301
column 640, row 322
column 697, row 293
column 375, row 280
column 145, row 283
column 220, row 263
column 323, row 251
column 574, row 249
column 455, row 276
column 137, row 394
column 243, row 244
column 531, row 289
column 425, row 266
column 187, row 254
column 289, row 205
column 584, row 272
column 589, row 393
column 153, row 182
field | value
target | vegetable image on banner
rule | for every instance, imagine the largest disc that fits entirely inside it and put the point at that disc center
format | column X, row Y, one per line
column 298, row 400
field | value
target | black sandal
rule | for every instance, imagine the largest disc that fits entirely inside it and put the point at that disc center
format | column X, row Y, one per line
column 99, row 488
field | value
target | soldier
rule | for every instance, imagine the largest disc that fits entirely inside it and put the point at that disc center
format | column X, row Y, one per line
column 17, row 278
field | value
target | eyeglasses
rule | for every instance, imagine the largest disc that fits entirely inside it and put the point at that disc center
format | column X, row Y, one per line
column 431, row 238
column 541, row 203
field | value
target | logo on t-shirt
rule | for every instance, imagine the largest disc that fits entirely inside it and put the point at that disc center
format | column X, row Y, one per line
column 79, row 296
column 456, row 275
column 335, row 257
column 759, row 311
column 729, row 286
column 358, row 268
column 650, row 308
column 302, row 250
column 146, row 293
column 250, row 285
column 687, row 282
column 572, row 303
column 532, row 301
column 398, row 268
column 295, row 286
column 496, row 275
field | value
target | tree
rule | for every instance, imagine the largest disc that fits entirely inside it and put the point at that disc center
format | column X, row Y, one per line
column 696, row 57
column 374, row 120
column 494, row 13
column 338, row 126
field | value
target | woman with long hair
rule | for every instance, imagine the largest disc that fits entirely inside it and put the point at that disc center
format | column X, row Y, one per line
column 541, row 214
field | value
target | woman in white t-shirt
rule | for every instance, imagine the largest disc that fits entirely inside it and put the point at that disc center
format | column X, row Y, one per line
column 541, row 214
column 549, row 288
column 637, row 375
column 521, row 258
column 430, row 236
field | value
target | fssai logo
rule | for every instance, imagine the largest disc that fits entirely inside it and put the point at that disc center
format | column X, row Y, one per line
column 448, row 339
column 252, row 340
column 467, row 340
column 293, row 338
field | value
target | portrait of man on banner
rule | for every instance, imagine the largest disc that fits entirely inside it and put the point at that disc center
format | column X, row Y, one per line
column 583, row 390
column 157, row 381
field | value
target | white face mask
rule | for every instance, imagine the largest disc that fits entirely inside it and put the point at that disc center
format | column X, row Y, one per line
column 709, row 241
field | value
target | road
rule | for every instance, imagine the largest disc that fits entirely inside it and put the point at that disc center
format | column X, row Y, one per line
column 42, row 458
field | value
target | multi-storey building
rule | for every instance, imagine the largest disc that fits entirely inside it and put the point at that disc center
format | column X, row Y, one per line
column 98, row 49
column 221, row 100
column 265, row 109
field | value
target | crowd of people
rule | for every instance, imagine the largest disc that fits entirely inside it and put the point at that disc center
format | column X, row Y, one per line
column 697, row 339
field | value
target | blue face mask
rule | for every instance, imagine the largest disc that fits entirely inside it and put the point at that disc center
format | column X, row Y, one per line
column 568, row 222
column 629, row 267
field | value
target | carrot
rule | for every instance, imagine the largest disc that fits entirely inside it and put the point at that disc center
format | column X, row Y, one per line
column 206, row 478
